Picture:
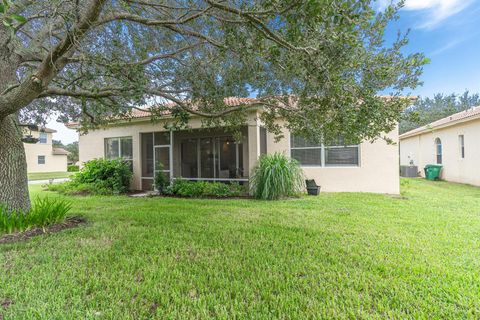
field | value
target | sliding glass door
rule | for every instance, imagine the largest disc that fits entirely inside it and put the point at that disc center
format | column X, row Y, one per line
column 212, row 158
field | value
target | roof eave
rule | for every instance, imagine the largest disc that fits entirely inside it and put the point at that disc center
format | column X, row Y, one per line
column 411, row 134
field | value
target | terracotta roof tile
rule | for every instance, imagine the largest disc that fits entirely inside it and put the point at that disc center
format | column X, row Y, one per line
column 229, row 102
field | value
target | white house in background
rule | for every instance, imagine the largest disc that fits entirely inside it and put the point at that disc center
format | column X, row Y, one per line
column 214, row 155
column 453, row 142
column 42, row 156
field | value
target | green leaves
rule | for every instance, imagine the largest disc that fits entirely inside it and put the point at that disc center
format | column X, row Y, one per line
column 18, row 18
column 276, row 176
column 45, row 211
column 8, row 19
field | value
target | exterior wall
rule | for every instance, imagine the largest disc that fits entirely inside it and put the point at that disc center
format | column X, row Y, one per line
column 91, row 145
column 421, row 148
column 378, row 171
column 53, row 163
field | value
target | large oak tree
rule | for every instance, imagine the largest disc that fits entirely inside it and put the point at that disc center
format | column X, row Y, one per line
column 320, row 64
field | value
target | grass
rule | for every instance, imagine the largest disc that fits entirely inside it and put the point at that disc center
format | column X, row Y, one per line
column 48, row 175
column 332, row 256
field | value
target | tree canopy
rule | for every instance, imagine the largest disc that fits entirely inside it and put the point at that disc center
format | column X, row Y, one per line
column 91, row 59
column 319, row 64
column 426, row 110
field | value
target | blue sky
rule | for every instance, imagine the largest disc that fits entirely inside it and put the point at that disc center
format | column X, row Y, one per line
column 447, row 31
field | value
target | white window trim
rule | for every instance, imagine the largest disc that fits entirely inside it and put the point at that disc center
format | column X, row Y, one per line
column 119, row 147
column 322, row 149
column 39, row 138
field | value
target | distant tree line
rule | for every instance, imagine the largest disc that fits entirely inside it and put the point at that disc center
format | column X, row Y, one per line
column 427, row 110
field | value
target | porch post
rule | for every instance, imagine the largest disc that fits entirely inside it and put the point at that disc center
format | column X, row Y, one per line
column 253, row 145
column 171, row 154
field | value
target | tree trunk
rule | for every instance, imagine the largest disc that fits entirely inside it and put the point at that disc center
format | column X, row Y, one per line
column 13, row 166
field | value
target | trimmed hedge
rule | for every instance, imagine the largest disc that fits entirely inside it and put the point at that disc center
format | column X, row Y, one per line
column 203, row 189
column 73, row 168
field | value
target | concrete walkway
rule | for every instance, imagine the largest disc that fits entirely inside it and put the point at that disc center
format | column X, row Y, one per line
column 47, row 181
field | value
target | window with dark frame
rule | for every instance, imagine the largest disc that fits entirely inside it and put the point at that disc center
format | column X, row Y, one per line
column 461, row 143
column 438, row 148
column 320, row 155
column 41, row 160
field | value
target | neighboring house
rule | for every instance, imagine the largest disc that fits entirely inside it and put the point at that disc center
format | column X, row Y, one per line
column 452, row 142
column 42, row 156
column 214, row 155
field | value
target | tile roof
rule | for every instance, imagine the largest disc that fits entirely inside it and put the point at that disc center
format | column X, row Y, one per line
column 467, row 115
column 34, row 127
column 229, row 102
column 144, row 113
column 60, row 151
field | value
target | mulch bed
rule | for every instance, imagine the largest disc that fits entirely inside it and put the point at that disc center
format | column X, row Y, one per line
column 69, row 223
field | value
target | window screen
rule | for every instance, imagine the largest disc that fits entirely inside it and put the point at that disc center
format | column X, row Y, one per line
column 41, row 160
column 308, row 157
column 341, row 156
column 305, row 152
column 263, row 140
column 310, row 153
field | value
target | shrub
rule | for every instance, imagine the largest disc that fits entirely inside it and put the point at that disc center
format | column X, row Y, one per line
column 161, row 181
column 73, row 168
column 99, row 177
column 276, row 176
column 200, row 189
column 72, row 188
column 44, row 212
column 113, row 175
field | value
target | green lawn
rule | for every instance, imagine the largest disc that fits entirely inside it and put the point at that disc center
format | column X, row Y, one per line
column 332, row 256
column 48, row 175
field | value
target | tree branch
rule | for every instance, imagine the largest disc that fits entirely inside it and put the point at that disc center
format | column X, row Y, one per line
column 28, row 90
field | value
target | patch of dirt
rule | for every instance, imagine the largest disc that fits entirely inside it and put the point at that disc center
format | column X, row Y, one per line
column 153, row 308
column 6, row 303
column 69, row 223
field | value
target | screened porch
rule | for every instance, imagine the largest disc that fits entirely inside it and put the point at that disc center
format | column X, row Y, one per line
column 200, row 154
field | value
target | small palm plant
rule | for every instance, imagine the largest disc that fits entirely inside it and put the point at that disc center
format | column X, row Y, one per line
column 276, row 176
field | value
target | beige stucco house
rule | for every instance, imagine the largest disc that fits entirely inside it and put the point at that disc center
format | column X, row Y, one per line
column 41, row 155
column 213, row 154
column 453, row 142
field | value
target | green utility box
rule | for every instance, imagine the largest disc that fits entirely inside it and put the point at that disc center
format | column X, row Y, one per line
column 432, row 171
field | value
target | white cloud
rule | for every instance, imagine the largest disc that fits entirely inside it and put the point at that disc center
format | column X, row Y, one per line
column 436, row 10
column 63, row 133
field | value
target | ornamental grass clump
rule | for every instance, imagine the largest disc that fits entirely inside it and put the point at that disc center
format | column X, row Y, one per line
column 276, row 176
column 44, row 212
